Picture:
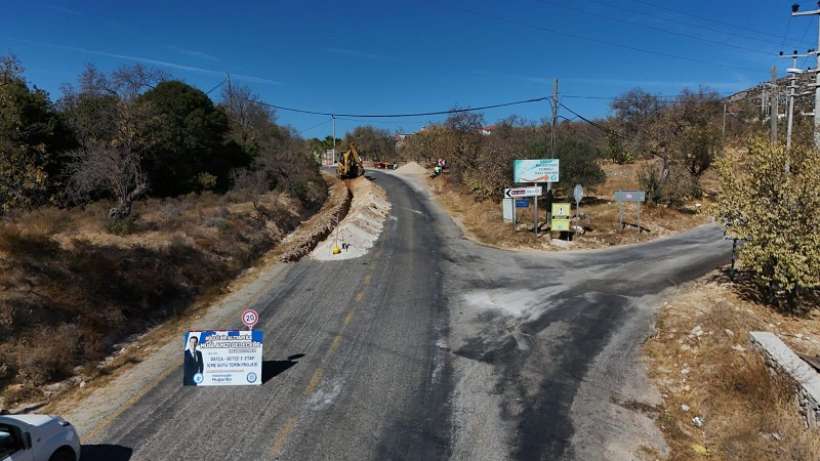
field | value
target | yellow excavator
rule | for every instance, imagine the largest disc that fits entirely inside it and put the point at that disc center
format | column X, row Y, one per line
column 350, row 164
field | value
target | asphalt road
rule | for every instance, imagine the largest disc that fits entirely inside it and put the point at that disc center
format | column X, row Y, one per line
column 429, row 347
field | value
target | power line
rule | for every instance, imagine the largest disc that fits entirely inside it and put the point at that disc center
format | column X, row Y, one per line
column 607, row 42
column 767, row 38
column 661, row 29
column 704, row 18
column 596, row 125
column 216, row 86
column 416, row 114
column 314, row 127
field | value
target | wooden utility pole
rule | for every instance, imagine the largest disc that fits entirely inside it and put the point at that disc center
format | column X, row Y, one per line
column 723, row 126
column 554, row 103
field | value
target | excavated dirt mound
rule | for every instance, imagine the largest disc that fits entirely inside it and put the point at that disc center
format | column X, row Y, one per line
column 299, row 244
column 412, row 168
column 357, row 232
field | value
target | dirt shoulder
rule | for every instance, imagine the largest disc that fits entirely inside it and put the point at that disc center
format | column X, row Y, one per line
column 701, row 360
column 483, row 223
column 207, row 306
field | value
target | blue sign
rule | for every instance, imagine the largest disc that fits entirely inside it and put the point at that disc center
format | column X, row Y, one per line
column 522, row 203
column 222, row 357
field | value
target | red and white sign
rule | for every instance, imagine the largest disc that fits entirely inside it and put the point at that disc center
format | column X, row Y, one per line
column 250, row 318
column 518, row 192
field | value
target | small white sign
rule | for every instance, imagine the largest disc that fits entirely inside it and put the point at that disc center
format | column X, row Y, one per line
column 519, row 192
column 250, row 318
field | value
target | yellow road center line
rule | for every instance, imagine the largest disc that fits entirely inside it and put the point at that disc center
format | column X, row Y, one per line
column 282, row 436
column 336, row 342
column 359, row 296
column 366, row 280
column 314, row 381
column 348, row 317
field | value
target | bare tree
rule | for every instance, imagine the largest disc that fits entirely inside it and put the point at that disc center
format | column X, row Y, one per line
column 251, row 121
column 130, row 81
column 113, row 169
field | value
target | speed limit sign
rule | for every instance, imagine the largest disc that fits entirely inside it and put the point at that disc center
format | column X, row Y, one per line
column 250, row 318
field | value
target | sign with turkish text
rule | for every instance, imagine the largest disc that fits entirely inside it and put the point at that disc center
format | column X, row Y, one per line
column 543, row 170
column 222, row 358
column 520, row 192
column 559, row 224
column 561, row 209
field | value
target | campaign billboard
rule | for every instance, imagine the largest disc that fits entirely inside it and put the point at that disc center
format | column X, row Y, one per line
column 543, row 170
column 222, row 358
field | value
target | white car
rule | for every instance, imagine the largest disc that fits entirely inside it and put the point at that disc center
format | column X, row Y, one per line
column 37, row 438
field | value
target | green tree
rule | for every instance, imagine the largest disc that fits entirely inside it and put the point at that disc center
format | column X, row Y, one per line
column 579, row 164
column 373, row 143
column 770, row 200
column 191, row 138
column 33, row 138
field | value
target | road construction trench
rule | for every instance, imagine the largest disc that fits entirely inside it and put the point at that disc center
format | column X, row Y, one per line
column 316, row 379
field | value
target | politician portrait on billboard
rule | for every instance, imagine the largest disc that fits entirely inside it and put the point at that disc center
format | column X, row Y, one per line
column 192, row 372
column 222, row 358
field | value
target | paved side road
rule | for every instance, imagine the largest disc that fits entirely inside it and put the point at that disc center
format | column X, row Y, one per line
column 429, row 347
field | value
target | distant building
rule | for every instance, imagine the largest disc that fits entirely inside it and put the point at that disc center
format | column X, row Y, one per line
column 487, row 130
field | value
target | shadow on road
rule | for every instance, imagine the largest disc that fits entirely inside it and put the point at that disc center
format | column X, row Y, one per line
column 273, row 368
column 105, row 453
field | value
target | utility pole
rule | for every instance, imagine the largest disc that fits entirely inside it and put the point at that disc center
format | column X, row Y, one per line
column 333, row 118
column 796, row 12
column 774, row 112
column 554, row 102
column 723, row 126
column 793, row 72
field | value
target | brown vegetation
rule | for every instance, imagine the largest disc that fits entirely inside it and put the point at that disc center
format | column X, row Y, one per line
column 70, row 288
column 482, row 219
column 702, row 361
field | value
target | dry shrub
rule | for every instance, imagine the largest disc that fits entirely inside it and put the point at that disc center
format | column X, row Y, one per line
column 68, row 294
column 48, row 354
column 750, row 411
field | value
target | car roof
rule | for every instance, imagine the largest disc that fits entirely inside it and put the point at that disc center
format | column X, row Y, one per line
column 32, row 420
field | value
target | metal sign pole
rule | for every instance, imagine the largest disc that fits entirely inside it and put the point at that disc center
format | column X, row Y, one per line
column 535, row 216
column 639, row 220
column 621, row 215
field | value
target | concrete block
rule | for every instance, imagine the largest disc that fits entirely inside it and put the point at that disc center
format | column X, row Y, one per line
column 781, row 357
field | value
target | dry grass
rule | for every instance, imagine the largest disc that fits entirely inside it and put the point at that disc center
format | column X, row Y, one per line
column 749, row 412
column 483, row 222
column 70, row 289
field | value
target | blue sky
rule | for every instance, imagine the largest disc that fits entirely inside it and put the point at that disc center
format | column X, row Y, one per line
column 413, row 56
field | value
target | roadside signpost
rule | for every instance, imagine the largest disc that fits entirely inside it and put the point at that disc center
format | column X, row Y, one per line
column 629, row 196
column 222, row 358
column 535, row 171
column 508, row 210
column 522, row 203
column 560, row 217
column 521, row 192
column 250, row 318
column 578, row 195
